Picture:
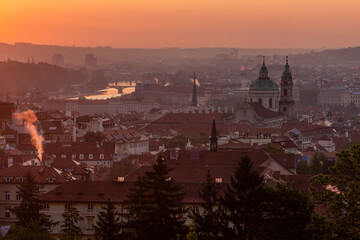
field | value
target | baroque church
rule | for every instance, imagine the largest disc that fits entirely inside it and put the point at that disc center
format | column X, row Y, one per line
column 267, row 105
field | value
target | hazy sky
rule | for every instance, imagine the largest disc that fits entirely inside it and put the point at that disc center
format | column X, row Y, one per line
column 182, row 23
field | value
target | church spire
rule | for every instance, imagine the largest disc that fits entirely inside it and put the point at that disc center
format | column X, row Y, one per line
column 286, row 74
column 263, row 74
column 194, row 97
column 213, row 138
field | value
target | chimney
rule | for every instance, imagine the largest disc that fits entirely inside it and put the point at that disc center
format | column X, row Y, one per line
column 219, row 109
column 74, row 133
column 101, row 125
column 226, row 109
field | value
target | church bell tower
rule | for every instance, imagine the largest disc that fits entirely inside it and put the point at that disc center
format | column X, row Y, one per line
column 286, row 103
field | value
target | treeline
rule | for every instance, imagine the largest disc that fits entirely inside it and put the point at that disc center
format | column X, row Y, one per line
column 246, row 208
column 26, row 76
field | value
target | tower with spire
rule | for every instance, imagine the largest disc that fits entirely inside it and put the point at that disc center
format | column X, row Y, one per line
column 194, row 97
column 213, row 138
column 287, row 103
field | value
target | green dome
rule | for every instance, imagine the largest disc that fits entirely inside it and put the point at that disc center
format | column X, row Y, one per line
column 264, row 84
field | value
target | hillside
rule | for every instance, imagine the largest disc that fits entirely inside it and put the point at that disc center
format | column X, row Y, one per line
column 25, row 76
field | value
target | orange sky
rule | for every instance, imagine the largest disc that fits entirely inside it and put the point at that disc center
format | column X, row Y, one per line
column 182, row 23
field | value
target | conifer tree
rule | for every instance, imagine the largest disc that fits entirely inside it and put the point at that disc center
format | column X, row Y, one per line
column 164, row 221
column 70, row 229
column 242, row 200
column 208, row 223
column 29, row 210
column 138, row 208
column 108, row 225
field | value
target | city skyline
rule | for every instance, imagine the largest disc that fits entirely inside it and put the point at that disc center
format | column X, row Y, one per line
column 186, row 24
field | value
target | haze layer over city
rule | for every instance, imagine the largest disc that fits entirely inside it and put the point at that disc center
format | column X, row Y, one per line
column 179, row 119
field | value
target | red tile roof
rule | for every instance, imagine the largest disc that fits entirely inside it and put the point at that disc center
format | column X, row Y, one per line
column 42, row 174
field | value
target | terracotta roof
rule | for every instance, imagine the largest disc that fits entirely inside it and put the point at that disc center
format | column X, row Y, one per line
column 42, row 174
column 235, row 145
column 263, row 112
column 203, row 118
column 124, row 135
column 102, row 191
column 73, row 148
column 287, row 160
column 52, row 127
column 69, row 165
column 325, row 137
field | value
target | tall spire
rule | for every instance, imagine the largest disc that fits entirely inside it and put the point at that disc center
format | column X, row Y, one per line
column 213, row 138
column 194, row 97
column 286, row 74
column 263, row 74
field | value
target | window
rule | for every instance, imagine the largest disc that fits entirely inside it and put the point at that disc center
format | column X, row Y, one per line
column 8, row 179
column 81, row 156
column 47, row 207
column 270, row 103
column 20, row 179
column 67, row 206
column 260, row 101
column 285, row 92
column 50, row 180
column 90, row 207
column 73, row 156
column 18, row 198
column 196, row 208
column 63, row 155
column 101, row 156
column 218, row 180
column 7, row 195
column 10, row 162
column 7, row 213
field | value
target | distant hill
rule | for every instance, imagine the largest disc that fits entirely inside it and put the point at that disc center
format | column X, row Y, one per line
column 344, row 55
column 25, row 76
column 76, row 55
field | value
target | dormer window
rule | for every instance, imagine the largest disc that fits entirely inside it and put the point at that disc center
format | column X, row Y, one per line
column 50, row 180
column 63, row 155
column 90, row 156
column 81, row 156
column 8, row 179
column 20, row 179
column 101, row 156
column 218, row 180
column 73, row 156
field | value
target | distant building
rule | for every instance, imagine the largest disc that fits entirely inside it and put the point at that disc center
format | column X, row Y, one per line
column 90, row 60
column 332, row 96
column 58, row 59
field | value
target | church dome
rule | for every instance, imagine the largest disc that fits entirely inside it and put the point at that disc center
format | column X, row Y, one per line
column 263, row 82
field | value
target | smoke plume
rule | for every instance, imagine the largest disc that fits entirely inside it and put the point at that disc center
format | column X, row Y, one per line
column 30, row 118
